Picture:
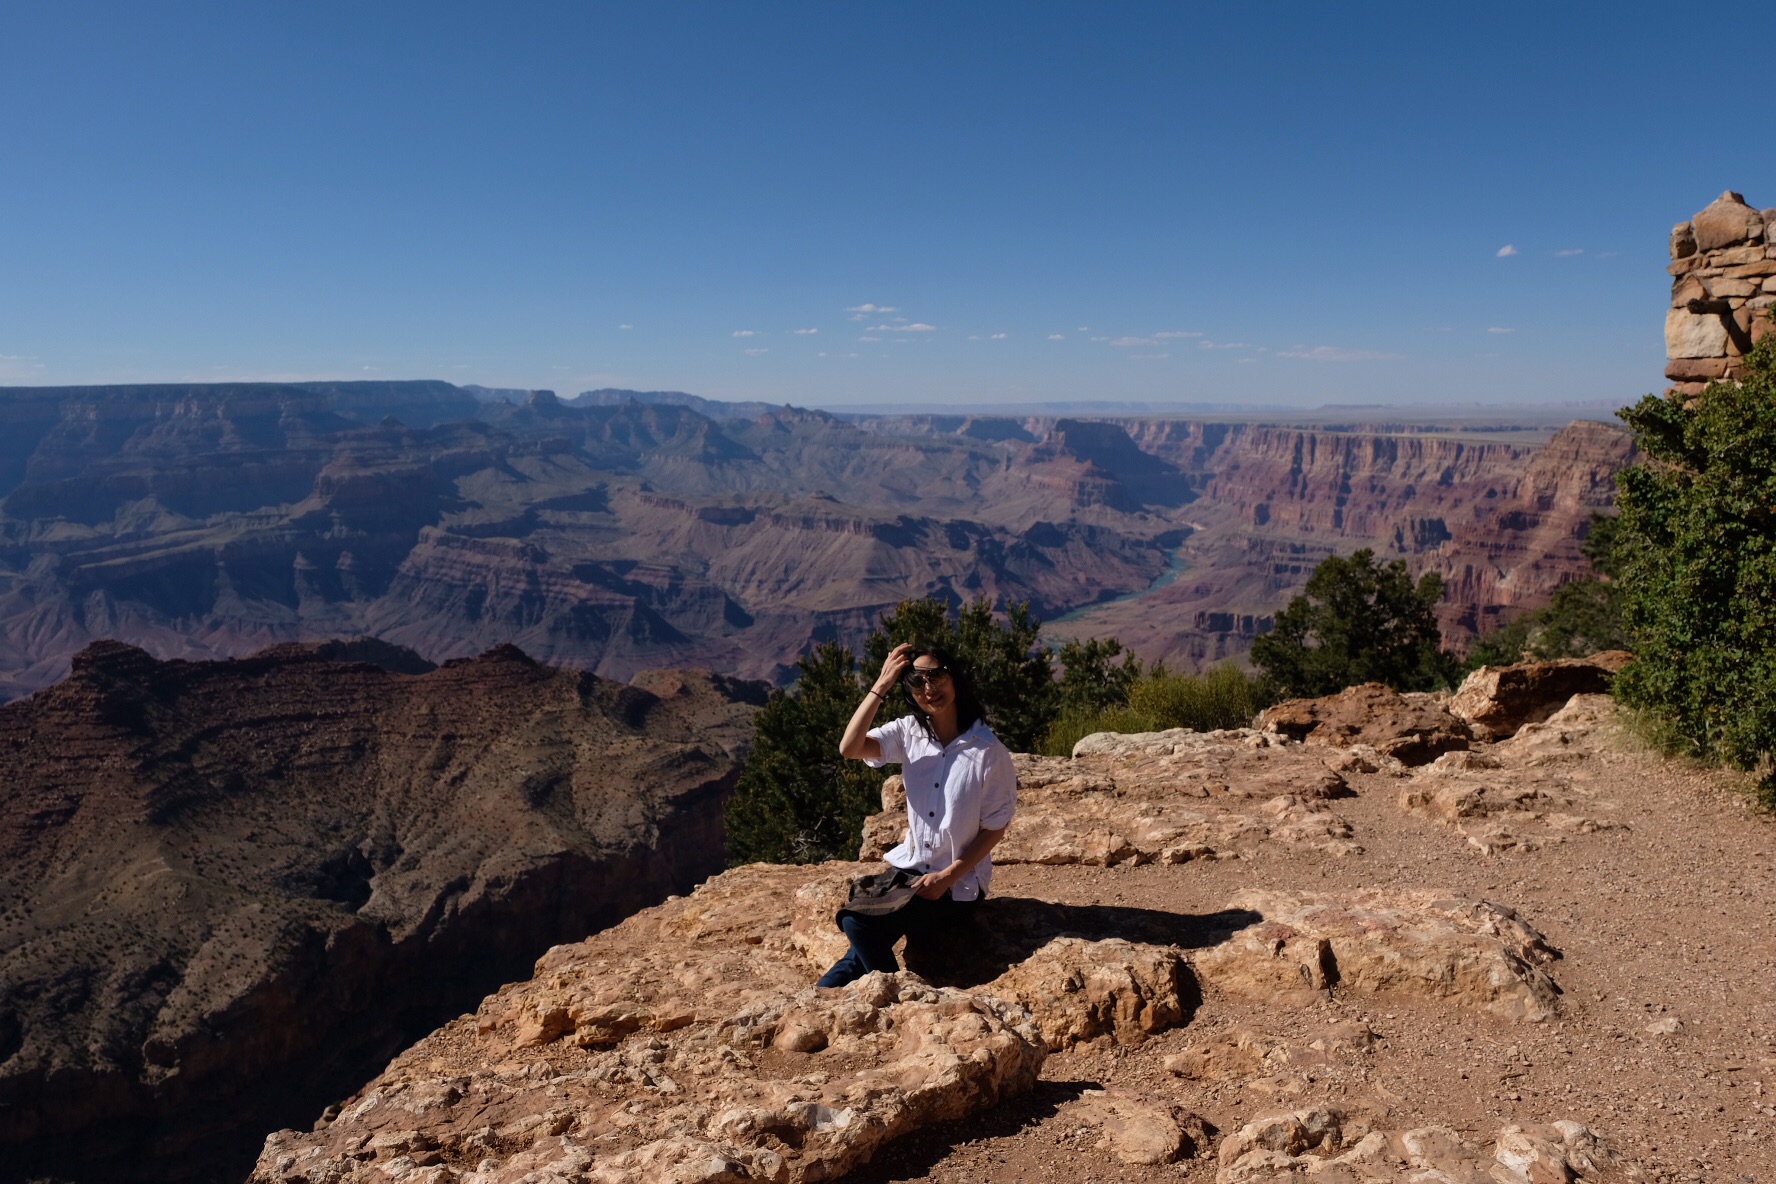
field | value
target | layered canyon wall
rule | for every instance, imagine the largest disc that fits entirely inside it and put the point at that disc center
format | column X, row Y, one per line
column 1723, row 267
column 209, row 521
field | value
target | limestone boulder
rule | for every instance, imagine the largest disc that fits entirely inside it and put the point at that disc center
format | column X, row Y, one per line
column 1494, row 701
column 1078, row 990
column 1683, row 241
column 1329, row 1144
column 1694, row 334
column 1727, row 221
column 883, row 832
column 1144, row 1130
column 1412, row 729
column 1410, row 943
column 1568, row 737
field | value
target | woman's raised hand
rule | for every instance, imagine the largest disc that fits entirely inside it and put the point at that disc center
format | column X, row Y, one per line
column 899, row 658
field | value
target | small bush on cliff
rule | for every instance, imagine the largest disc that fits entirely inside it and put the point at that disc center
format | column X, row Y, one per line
column 1220, row 697
column 1697, row 559
column 799, row 801
column 1012, row 671
column 1583, row 617
column 1091, row 678
column 1357, row 621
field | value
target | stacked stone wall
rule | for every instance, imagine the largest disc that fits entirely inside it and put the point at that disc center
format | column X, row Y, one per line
column 1723, row 267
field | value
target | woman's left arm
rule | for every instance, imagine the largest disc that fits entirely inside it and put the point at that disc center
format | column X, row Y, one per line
column 934, row 884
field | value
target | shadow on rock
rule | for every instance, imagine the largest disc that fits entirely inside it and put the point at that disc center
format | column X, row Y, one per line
column 1005, row 931
column 914, row 1156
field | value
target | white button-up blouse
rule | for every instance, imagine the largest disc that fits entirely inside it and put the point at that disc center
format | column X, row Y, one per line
column 953, row 792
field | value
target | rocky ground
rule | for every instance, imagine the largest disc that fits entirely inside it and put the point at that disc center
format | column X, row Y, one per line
column 1536, row 958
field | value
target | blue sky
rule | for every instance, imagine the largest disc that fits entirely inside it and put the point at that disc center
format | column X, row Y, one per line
column 839, row 203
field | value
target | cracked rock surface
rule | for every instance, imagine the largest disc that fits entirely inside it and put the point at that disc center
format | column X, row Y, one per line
column 1421, row 1009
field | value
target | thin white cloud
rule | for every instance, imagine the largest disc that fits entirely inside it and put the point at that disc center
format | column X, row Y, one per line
column 1057, row 337
column 745, row 332
column 821, row 354
column 996, row 337
column 1148, row 357
column 1205, row 343
column 625, row 328
column 1569, row 252
column 804, row 332
column 974, row 337
column 1335, row 353
column 1085, row 328
column 1159, row 338
column 876, row 308
column 915, row 327
column 870, row 339
column 753, row 353
column 1506, row 251
column 1501, row 329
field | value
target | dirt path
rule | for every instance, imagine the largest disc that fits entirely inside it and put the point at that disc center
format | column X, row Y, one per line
column 1664, row 924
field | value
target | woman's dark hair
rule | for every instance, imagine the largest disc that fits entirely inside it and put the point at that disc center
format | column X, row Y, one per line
column 968, row 705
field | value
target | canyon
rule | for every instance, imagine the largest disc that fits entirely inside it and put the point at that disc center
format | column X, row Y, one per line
column 616, row 534
column 233, row 889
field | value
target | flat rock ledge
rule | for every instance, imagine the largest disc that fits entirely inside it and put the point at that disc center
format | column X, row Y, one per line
column 686, row 1045
column 1330, row 1146
column 1412, row 943
column 1527, row 792
column 1158, row 797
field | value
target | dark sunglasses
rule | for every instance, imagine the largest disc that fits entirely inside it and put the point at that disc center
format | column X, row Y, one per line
column 917, row 679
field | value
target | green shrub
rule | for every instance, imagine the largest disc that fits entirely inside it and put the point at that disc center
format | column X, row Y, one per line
column 1581, row 618
column 1358, row 621
column 798, row 800
column 1221, row 697
column 1697, row 559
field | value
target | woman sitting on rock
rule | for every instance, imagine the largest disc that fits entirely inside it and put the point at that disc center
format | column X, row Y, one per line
column 961, row 791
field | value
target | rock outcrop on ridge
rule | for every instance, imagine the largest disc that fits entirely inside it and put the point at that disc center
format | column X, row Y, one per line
column 233, row 889
column 1327, row 1017
column 1723, row 285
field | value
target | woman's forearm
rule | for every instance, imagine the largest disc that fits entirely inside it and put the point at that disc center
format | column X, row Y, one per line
column 976, row 850
column 855, row 744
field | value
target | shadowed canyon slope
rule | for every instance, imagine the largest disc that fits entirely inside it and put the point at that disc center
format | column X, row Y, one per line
column 233, row 889
column 209, row 521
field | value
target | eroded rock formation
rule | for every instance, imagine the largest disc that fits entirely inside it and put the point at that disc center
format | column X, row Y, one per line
column 1412, row 728
column 1723, row 268
column 233, row 889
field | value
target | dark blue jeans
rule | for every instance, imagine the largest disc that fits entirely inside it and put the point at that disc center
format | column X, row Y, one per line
column 873, row 938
